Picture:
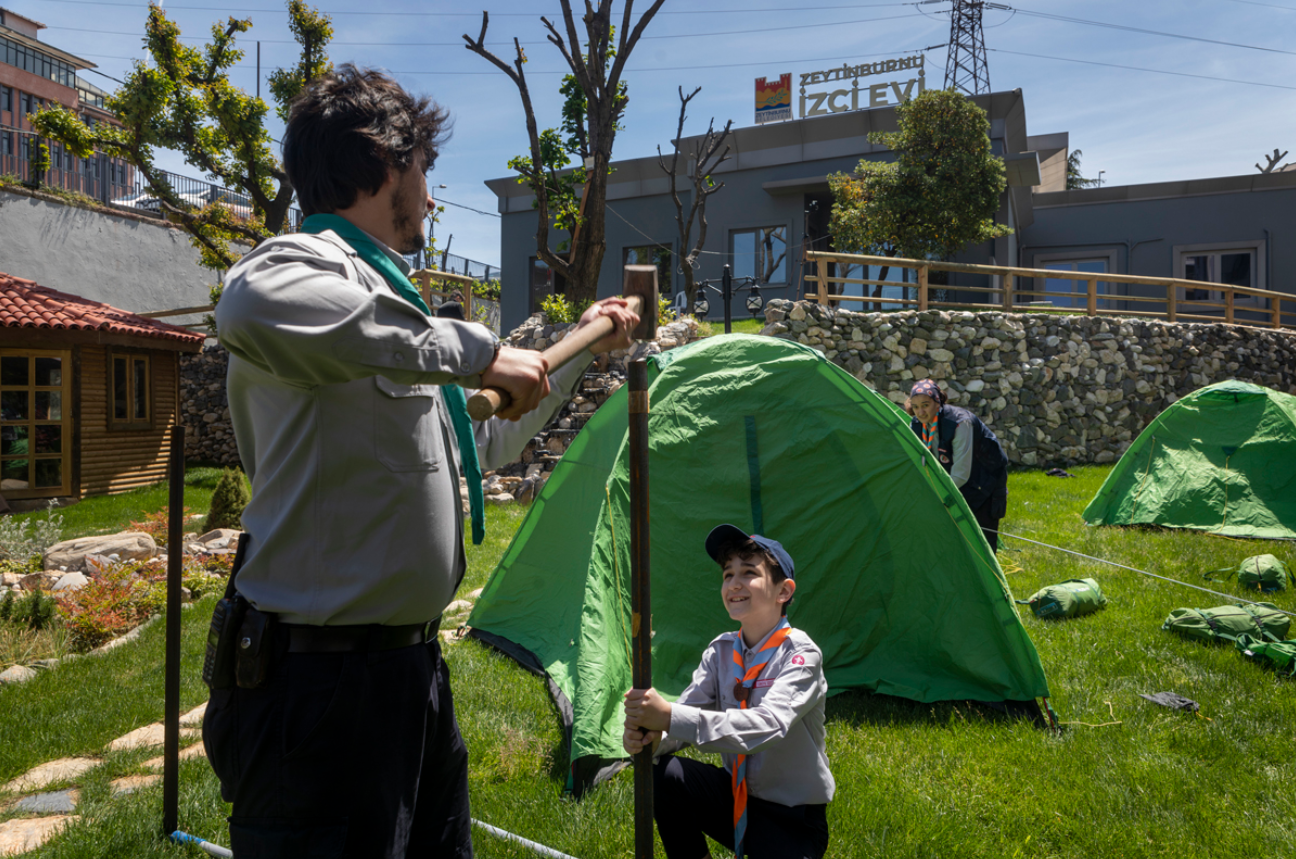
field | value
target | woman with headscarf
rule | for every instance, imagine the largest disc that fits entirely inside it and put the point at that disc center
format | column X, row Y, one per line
column 968, row 450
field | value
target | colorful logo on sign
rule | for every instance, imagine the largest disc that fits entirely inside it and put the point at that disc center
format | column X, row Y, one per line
column 774, row 99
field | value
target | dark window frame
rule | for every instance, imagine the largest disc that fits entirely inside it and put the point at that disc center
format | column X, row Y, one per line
column 131, row 421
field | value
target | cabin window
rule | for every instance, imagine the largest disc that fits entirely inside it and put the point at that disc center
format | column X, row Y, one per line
column 130, row 389
column 35, row 423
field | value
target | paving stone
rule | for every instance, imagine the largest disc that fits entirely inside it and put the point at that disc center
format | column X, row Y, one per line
column 194, row 716
column 197, row 750
column 132, row 783
column 63, row 769
column 149, row 735
column 56, row 802
column 22, row 835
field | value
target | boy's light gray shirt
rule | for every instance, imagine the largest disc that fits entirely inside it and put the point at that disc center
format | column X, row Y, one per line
column 334, row 394
column 782, row 729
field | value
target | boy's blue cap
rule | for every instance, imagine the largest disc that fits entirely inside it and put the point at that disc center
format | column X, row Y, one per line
column 722, row 535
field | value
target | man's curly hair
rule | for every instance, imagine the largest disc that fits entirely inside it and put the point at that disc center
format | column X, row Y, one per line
column 348, row 128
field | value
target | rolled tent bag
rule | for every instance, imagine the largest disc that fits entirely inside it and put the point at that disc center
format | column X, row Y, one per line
column 1072, row 598
column 1259, row 572
column 1279, row 655
column 1227, row 622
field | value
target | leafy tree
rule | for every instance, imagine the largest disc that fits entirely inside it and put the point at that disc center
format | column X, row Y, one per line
column 939, row 195
column 1075, row 179
column 184, row 101
column 596, row 101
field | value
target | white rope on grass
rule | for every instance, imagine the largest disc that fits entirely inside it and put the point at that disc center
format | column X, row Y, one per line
column 509, row 836
column 1230, row 597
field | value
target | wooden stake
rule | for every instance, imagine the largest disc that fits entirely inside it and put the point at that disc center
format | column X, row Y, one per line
column 640, row 598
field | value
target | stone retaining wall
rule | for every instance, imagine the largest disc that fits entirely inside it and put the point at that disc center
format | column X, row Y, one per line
column 1056, row 389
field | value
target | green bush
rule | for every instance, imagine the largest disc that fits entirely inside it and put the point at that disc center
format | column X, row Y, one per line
column 114, row 601
column 22, row 540
column 231, row 496
column 33, row 610
column 559, row 311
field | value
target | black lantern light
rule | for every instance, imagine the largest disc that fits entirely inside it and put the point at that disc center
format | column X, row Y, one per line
column 754, row 300
column 700, row 304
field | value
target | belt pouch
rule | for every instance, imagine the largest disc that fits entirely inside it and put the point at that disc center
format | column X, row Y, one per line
column 255, row 648
column 222, row 637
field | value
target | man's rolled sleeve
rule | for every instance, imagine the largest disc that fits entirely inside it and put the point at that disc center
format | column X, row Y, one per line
column 297, row 316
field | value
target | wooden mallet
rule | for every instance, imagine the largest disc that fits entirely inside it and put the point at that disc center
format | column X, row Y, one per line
column 641, row 296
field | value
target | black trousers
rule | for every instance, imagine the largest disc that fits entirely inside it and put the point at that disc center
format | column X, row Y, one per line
column 343, row 756
column 691, row 799
column 990, row 513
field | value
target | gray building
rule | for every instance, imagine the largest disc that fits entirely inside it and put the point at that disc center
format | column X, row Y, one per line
column 776, row 203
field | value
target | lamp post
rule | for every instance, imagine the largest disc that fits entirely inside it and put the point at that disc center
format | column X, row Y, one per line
column 1100, row 174
column 432, row 222
column 728, row 286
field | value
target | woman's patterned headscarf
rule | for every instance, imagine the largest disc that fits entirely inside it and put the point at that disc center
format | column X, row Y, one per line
column 928, row 388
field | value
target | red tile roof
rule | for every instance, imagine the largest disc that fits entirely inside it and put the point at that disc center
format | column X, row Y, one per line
column 26, row 304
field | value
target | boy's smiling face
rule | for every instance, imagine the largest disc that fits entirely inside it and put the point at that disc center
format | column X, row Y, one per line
column 750, row 595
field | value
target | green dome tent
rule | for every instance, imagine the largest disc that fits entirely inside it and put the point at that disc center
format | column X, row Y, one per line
column 896, row 583
column 1222, row 459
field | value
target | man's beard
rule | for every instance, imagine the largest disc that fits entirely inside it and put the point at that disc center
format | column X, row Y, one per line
column 409, row 232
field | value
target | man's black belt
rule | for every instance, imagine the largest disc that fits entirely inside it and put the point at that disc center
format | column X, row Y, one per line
column 358, row 639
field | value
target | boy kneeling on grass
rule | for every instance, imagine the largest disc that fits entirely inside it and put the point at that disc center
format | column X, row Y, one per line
column 758, row 700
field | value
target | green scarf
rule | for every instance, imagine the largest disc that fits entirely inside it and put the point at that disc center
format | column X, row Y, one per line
column 456, row 402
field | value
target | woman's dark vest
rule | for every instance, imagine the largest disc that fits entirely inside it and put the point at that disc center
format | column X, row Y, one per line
column 989, row 463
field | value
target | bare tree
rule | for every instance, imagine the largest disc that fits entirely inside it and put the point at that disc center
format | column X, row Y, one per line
column 706, row 156
column 1273, row 162
column 598, row 71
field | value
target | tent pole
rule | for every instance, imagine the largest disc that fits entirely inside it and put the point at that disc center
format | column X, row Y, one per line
column 171, row 670
column 640, row 605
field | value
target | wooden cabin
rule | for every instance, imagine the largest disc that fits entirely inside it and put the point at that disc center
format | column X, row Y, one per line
column 88, row 394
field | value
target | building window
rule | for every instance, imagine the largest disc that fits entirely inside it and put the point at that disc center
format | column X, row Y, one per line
column 6, row 143
column 6, row 98
column 129, row 392
column 658, row 255
column 35, row 423
column 544, row 282
column 1065, row 292
column 760, row 253
column 1231, row 263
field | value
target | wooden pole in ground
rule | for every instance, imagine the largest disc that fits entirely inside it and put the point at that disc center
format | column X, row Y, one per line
column 640, row 602
column 171, row 672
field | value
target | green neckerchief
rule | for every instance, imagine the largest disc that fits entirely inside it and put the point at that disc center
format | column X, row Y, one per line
column 456, row 402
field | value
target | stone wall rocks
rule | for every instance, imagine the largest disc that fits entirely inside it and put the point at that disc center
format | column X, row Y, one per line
column 1056, row 389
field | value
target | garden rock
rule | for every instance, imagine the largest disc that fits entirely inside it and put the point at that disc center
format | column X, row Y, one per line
column 71, row 582
column 127, row 546
column 221, row 538
column 38, row 581
column 16, row 674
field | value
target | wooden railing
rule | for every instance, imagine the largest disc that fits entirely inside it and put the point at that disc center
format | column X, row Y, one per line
column 1167, row 292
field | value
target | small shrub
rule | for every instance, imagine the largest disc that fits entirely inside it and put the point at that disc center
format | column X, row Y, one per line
column 114, row 601
column 20, row 540
column 156, row 525
column 559, row 311
column 33, row 610
column 666, row 314
column 231, row 496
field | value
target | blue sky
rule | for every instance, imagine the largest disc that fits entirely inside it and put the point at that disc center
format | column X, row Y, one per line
column 1137, row 126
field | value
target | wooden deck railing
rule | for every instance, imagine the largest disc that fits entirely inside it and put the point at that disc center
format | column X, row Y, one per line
column 1166, row 291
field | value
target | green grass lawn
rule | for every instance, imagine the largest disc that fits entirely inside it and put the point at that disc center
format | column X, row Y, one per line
column 912, row 780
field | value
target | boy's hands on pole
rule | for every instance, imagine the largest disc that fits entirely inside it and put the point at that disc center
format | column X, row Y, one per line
column 635, row 740
column 523, row 374
column 645, row 708
column 622, row 317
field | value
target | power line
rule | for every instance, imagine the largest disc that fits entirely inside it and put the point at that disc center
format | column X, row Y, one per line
column 469, row 208
column 1250, row 3
column 765, row 63
column 477, row 15
column 460, row 43
column 1070, row 20
column 1139, row 69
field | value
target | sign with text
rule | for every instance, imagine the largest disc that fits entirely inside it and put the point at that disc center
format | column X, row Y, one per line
column 885, row 93
column 774, row 99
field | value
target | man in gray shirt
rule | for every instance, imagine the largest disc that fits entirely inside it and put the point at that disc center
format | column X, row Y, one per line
column 338, row 390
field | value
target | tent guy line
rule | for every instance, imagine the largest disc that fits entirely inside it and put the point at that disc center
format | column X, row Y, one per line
column 1230, row 597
